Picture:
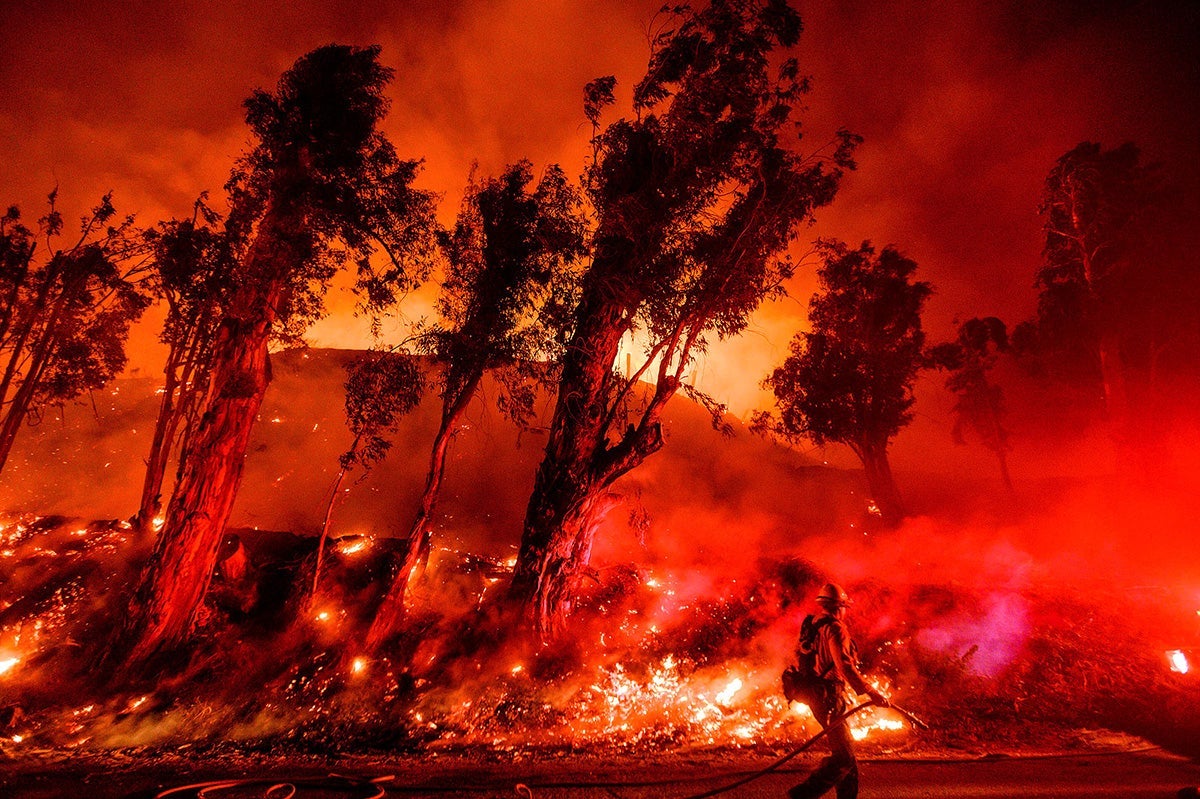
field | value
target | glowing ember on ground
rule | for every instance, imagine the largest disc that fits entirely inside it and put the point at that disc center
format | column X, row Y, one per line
column 861, row 731
column 726, row 696
column 1179, row 661
column 7, row 664
column 352, row 547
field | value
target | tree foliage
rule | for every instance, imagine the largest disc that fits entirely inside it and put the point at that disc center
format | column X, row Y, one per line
column 510, row 278
column 67, row 314
column 695, row 198
column 509, row 286
column 1119, row 297
column 849, row 380
column 320, row 158
column 381, row 388
column 192, row 270
column 979, row 402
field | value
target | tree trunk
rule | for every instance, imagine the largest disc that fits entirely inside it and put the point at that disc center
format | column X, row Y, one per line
column 180, row 395
column 1004, row 473
column 19, row 406
column 564, row 489
column 556, row 546
column 35, row 315
column 334, row 495
column 176, row 578
column 160, row 449
column 390, row 614
column 1112, row 372
column 881, row 483
column 1001, row 442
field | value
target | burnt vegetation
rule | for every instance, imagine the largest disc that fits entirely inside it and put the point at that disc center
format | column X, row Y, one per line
column 575, row 313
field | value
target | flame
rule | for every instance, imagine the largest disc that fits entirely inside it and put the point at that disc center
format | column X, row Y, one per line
column 354, row 546
column 1178, row 660
column 859, row 732
column 726, row 696
column 7, row 664
column 358, row 665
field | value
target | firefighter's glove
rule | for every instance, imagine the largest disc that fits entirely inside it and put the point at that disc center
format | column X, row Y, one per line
column 878, row 698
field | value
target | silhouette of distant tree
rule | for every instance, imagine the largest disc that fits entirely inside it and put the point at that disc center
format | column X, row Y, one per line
column 1094, row 205
column 1119, row 294
column 849, row 380
column 322, row 188
column 979, row 403
column 66, row 316
column 504, row 307
column 193, row 270
column 695, row 200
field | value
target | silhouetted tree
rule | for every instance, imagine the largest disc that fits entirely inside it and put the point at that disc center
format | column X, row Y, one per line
column 321, row 173
column 849, row 379
column 193, row 268
column 66, row 317
column 979, row 403
column 1094, row 205
column 381, row 387
column 504, row 307
column 695, row 198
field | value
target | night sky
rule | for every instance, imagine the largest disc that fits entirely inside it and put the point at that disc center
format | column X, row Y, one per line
column 964, row 107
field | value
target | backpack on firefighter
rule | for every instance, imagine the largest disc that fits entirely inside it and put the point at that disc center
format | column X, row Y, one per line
column 802, row 682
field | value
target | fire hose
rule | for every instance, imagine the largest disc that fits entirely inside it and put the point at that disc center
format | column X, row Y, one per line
column 778, row 764
column 282, row 789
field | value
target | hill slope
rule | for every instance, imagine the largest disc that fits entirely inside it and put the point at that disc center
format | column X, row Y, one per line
column 706, row 495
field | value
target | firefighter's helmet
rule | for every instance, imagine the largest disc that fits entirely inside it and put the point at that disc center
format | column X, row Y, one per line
column 834, row 594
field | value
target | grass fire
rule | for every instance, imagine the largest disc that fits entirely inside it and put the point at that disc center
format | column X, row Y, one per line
column 717, row 406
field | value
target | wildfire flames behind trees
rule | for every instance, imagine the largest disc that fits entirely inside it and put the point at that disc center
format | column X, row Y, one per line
column 321, row 173
column 696, row 198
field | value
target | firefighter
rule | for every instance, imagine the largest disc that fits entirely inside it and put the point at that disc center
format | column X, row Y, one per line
column 836, row 661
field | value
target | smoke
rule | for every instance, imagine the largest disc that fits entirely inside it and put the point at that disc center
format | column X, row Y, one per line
column 963, row 113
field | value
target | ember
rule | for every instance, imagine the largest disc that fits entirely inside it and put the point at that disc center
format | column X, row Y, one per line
column 1178, row 660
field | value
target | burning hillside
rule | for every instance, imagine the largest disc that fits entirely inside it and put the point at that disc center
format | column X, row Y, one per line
column 999, row 633
column 656, row 658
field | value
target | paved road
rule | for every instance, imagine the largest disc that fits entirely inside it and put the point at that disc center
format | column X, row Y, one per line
column 1149, row 775
column 1135, row 775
